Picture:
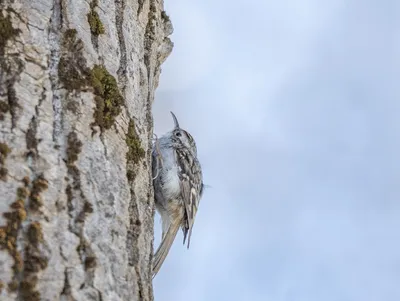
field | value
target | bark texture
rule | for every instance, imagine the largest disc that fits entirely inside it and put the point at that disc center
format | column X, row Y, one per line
column 77, row 81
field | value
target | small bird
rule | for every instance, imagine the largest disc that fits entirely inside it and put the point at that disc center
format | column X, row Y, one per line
column 178, row 187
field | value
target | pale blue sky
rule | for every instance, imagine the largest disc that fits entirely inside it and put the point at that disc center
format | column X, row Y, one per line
column 295, row 109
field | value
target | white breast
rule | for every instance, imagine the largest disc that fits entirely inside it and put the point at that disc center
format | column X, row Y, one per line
column 171, row 184
column 170, row 175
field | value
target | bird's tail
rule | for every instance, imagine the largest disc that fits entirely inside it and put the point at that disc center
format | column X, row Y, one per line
column 165, row 245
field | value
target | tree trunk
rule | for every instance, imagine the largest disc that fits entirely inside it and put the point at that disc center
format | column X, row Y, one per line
column 77, row 81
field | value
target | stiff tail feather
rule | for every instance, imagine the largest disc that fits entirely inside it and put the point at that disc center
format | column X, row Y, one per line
column 164, row 247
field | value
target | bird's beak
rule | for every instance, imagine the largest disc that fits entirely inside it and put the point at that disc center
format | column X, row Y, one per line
column 175, row 120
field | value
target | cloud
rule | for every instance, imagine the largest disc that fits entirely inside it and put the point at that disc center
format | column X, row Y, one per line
column 196, row 46
column 295, row 113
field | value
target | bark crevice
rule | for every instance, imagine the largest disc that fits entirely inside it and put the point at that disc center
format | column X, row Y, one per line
column 119, row 21
column 54, row 38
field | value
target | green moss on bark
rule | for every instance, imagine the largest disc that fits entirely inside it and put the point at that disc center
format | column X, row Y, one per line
column 96, row 26
column 108, row 97
column 74, row 148
column 9, row 236
column 7, row 31
column 72, row 68
column 4, row 151
column 38, row 186
column 76, row 76
column 135, row 150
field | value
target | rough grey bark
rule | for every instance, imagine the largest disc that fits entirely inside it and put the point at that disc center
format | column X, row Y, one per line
column 77, row 81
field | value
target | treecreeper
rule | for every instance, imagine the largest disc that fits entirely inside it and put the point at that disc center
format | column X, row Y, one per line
column 178, row 187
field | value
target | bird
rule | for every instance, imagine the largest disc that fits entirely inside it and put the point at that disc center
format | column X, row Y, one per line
column 178, row 187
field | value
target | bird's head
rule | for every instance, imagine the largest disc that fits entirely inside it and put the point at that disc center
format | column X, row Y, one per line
column 182, row 138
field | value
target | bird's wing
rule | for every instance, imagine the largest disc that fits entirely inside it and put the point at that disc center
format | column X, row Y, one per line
column 191, row 184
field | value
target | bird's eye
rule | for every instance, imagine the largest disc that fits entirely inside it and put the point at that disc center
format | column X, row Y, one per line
column 178, row 134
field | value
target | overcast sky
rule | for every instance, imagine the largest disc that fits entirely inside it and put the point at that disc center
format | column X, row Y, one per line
column 295, row 108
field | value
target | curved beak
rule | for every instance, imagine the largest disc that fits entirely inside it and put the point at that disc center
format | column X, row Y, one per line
column 175, row 120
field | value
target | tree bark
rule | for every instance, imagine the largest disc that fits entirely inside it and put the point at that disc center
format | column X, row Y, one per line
column 77, row 82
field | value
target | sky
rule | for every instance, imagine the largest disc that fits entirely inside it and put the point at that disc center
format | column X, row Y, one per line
column 294, row 106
